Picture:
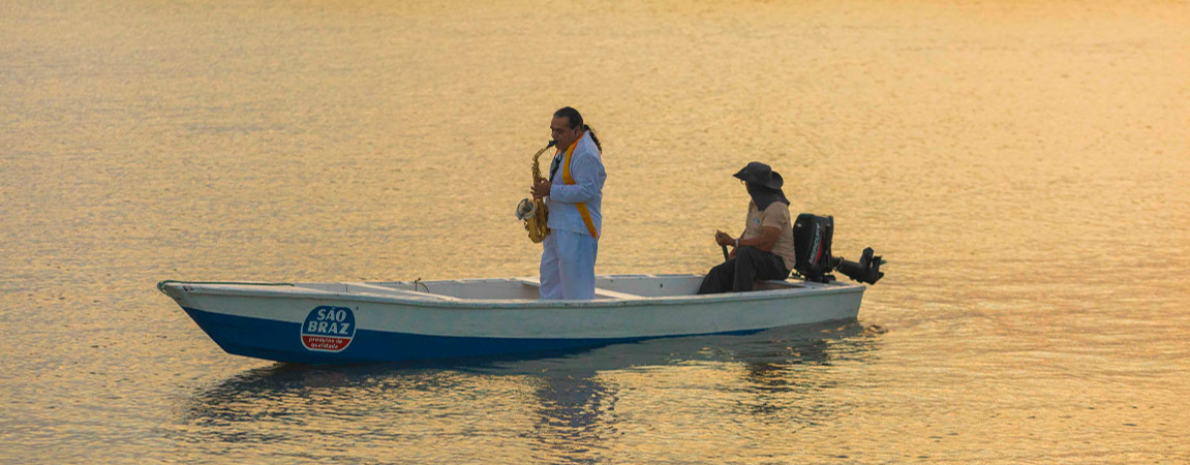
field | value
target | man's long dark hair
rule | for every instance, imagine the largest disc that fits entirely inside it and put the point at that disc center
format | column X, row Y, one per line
column 576, row 119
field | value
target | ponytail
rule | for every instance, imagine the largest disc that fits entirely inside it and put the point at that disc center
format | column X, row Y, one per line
column 593, row 138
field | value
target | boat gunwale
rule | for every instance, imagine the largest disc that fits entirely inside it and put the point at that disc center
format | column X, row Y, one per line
column 299, row 291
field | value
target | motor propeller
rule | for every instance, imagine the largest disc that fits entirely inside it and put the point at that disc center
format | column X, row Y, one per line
column 866, row 270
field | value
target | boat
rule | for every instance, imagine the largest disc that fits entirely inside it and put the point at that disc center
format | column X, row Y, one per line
column 396, row 321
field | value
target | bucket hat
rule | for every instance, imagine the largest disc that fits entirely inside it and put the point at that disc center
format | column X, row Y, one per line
column 760, row 174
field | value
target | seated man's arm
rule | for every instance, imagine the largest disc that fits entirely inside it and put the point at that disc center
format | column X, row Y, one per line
column 765, row 242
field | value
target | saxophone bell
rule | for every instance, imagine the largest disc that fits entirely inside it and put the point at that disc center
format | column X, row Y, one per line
column 525, row 209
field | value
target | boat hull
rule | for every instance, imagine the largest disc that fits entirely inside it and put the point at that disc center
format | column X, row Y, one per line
column 273, row 340
column 298, row 325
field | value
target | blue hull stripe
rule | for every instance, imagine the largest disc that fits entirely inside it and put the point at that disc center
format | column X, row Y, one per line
column 281, row 341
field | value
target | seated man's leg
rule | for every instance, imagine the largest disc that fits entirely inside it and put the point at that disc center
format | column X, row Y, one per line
column 752, row 264
column 719, row 279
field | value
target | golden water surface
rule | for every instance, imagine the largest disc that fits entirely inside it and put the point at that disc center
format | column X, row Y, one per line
column 1024, row 167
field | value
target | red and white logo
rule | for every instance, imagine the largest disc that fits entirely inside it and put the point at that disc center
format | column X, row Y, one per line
column 328, row 329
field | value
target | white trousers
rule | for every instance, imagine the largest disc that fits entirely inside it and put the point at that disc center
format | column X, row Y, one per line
column 568, row 266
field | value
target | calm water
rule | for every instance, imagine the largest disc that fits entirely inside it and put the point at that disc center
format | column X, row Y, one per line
column 1023, row 166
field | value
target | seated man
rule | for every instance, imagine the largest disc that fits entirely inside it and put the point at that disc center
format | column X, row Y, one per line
column 765, row 249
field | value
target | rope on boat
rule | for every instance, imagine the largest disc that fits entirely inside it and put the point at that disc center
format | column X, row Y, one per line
column 417, row 282
column 161, row 285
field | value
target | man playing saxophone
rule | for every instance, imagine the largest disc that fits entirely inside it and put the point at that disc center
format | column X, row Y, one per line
column 574, row 195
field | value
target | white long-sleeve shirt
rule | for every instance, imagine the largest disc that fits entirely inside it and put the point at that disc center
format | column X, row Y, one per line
column 586, row 168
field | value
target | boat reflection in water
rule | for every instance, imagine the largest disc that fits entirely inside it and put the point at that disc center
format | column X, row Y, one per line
column 567, row 407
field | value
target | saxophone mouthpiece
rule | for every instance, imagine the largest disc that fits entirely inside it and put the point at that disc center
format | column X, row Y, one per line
column 551, row 144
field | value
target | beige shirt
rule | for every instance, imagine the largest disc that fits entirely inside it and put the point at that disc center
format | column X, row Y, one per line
column 775, row 216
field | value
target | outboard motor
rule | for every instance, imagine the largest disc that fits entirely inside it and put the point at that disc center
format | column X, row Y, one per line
column 812, row 244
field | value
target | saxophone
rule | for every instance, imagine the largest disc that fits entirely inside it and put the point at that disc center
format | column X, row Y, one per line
column 534, row 212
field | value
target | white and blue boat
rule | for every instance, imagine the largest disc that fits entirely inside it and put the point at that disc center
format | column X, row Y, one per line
column 366, row 322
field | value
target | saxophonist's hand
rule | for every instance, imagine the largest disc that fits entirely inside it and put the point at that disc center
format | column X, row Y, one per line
column 542, row 189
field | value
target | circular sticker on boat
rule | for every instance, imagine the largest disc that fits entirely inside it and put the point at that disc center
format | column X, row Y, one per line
column 328, row 329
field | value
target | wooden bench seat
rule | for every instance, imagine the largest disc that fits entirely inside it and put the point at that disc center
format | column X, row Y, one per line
column 599, row 292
